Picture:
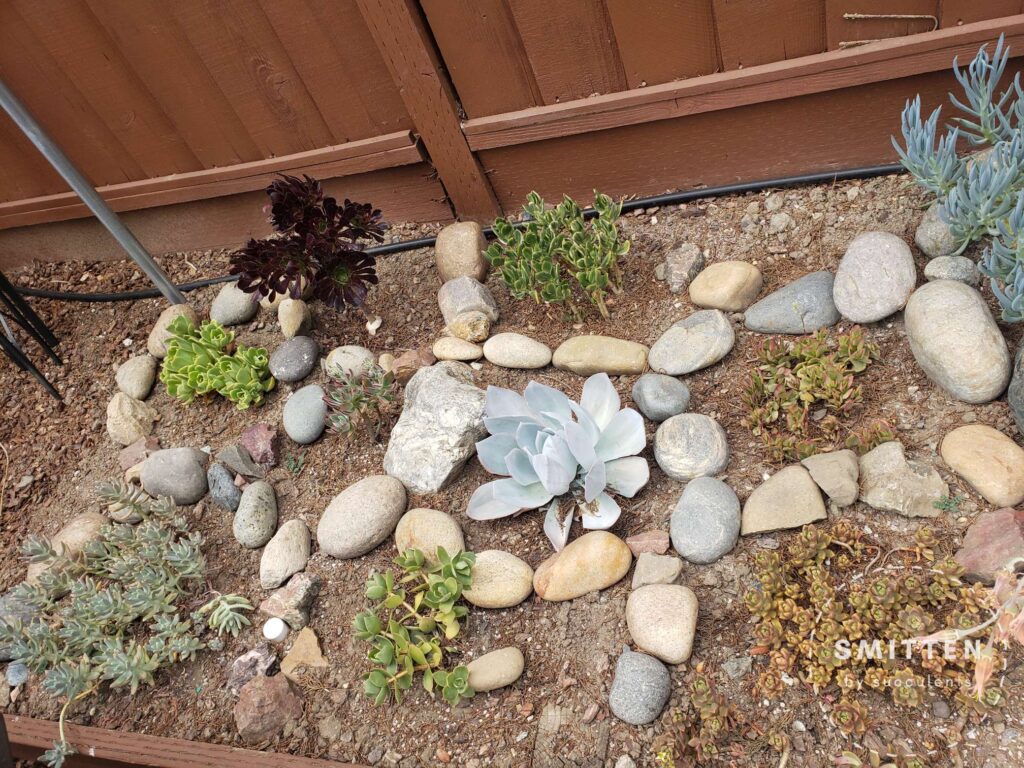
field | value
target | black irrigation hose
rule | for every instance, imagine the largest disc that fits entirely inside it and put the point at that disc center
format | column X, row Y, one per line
column 671, row 198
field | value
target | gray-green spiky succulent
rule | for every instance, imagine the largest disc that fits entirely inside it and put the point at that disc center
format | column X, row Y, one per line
column 201, row 361
column 980, row 195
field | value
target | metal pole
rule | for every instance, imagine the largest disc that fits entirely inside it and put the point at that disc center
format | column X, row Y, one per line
column 35, row 133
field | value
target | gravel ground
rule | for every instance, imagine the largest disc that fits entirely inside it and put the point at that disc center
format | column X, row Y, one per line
column 557, row 713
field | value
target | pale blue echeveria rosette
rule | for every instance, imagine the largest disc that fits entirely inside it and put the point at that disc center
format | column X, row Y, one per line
column 549, row 447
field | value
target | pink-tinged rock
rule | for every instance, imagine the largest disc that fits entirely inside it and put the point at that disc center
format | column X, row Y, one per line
column 259, row 661
column 138, row 452
column 992, row 541
column 261, row 440
column 655, row 542
column 265, row 706
column 292, row 602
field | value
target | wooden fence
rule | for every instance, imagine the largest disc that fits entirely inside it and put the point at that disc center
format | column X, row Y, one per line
column 181, row 112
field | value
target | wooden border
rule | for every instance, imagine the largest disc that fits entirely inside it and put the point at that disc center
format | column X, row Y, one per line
column 886, row 60
column 102, row 748
column 403, row 40
column 354, row 157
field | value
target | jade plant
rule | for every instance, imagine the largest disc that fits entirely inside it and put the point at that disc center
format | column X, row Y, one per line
column 207, row 360
column 556, row 244
column 979, row 195
column 556, row 452
column 414, row 613
column 794, row 381
column 319, row 246
column 118, row 611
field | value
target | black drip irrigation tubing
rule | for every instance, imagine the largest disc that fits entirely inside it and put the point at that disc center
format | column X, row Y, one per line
column 671, row 198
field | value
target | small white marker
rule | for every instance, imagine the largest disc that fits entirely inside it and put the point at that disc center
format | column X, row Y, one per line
column 275, row 630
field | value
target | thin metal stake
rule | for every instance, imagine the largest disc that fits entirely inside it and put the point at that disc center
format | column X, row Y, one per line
column 35, row 133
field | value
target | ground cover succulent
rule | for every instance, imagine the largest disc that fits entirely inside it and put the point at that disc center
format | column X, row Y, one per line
column 556, row 243
column 554, row 452
column 116, row 613
column 319, row 245
column 980, row 195
column 359, row 400
column 414, row 614
column 205, row 360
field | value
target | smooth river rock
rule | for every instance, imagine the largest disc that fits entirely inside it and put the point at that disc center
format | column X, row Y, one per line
column 660, row 397
column 803, row 306
column 459, row 251
column 587, row 355
column 454, row 348
column 428, row 529
column 496, row 669
column 233, row 306
column 256, row 517
column 662, row 620
column 500, row 580
column 294, row 359
column 513, row 350
column 731, row 286
column 933, row 235
column 956, row 341
column 176, row 472
column 305, row 414
column 787, row 499
column 361, row 517
column 157, row 341
column 135, row 376
column 349, row 359
column 594, row 561
column 691, row 445
column 640, row 689
column 875, row 277
column 705, row 522
column 442, row 418
column 959, row 268
column 989, row 460
column 700, row 340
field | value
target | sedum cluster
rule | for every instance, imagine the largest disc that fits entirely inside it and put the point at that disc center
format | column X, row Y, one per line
column 207, row 360
column 551, row 449
column 414, row 614
column 113, row 613
column 555, row 244
column 980, row 195
column 795, row 379
column 359, row 400
column 827, row 589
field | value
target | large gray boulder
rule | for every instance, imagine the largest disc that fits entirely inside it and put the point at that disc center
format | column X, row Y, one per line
column 441, row 421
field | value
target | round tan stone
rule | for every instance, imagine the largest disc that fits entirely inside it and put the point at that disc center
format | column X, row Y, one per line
column 453, row 348
column 496, row 669
column 428, row 529
column 989, row 460
column 730, row 286
column 587, row 355
column 157, row 341
column 459, row 251
column 592, row 562
column 662, row 620
column 500, row 580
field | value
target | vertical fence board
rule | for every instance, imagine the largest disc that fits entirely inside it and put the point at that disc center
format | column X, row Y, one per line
column 664, row 40
column 953, row 13
column 479, row 44
column 153, row 44
column 752, row 32
column 252, row 69
column 81, row 48
column 404, row 42
column 840, row 30
column 571, row 47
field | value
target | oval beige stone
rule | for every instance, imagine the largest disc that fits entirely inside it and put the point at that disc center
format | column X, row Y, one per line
column 592, row 562
column 730, row 286
column 989, row 460
column 662, row 620
column 157, row 341
column 73, row 538
column 500, row 580
column 428, row 529
column 514, row 350
column 587, row 355
column 496, row 669
column 454, row 348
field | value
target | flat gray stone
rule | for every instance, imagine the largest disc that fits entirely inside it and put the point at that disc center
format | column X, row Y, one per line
column 223, row 490
column 889, row 482
column 176, row 472
column 959, row 268
column 803, row 306
column 660, row 397
column 294, row 359
column 700, row 340
column 705, row 523
column 305, row 414
column 238, row 459
column 441, row 421
column 640, row 689
column 691, row 445
column 256, row 518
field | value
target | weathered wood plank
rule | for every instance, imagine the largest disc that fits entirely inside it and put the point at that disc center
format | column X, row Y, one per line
column 753, row 32
column 954, row 13
column 403, row 40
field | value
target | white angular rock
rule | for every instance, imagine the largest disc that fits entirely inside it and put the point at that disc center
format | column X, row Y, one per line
column 464, row 294
column 836, row 473
column 128, row 419
column 956, row 341
column 294, row 317
column 891, row 483
column 441, row 420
